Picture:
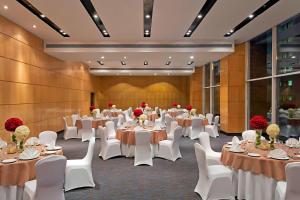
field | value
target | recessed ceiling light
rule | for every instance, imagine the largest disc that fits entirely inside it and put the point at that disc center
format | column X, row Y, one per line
column 251, row 16
column 199, row 16
column 147, row 16
column 5, row 7
column 191, row 57
column 34, row 26
column 102, row 57
column 145, row 62
column 64, row 33
column 42, row 16
column 147, row 33
column 170, row 57
column 95, row 16
column 125, row 57
column 231, row 31
column 293, row 57
column 105, row 33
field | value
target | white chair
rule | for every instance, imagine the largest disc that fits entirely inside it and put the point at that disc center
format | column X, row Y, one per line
column 127, row 116
column 168, row 120
column 79, row 172
column 110, row 128
column 169, row 149
column 213, row 158
column 87, row 131
column 74, row 118
column 98, row 113
column 70, row 131
column 143, row 150
column 209, row 117
column 121, row 120
column 197, row 128
column 115, row 121
column 289, row 189
column 213, row 130
column 249, row 135
column 215, row 181
column 170, row 134
column 109, row 147
column 48, row 138
column 49, row 183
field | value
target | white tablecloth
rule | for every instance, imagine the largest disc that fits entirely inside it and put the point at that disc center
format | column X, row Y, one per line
column 251, row 186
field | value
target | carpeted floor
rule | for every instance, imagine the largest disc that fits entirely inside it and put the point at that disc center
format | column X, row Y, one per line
column 118, row 179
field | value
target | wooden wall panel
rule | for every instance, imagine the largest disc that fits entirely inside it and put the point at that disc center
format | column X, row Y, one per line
column 131, row 91
column 195, row 87
column 36, row 87
column 232, row 91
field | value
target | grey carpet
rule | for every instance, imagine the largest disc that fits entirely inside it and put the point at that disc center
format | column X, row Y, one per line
column 118, row 179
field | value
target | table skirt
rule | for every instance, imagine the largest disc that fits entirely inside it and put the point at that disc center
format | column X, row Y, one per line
column 11, row 192
column 252, row 186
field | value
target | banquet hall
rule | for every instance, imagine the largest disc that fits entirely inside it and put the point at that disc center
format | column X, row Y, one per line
column 149, row 99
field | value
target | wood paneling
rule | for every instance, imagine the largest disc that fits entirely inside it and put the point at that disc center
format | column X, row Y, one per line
column 195, row 86
column 232, row 91
column 36, row 87
column 126, row 91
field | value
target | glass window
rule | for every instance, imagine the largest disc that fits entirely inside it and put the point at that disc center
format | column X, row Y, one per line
column 261, row 55
column 260, row 98
column 207, row 100
column 288, row 43
column 207, row 75
column 216, row 110
column 216, row 73
column 288, row 112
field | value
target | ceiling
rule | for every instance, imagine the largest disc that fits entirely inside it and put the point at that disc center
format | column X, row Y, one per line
column 123, row 20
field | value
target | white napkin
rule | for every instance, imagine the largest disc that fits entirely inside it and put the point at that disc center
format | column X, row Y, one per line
column 235, row 144
column 3, row 144
column 292, row 142
column 179, row 117
column 277, row 153
column 32, row 141
column 29, row 153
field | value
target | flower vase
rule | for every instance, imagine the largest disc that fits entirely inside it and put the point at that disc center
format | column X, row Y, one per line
column 258, row 137
column 11, row 148
column 272, row 141
column 21, row 146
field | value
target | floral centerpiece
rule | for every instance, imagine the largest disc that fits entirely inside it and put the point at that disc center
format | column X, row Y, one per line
column 142, row 119
column 92, row 107
column 291, row 112
column 94, row 113
column 178, row 106
column 137, row 113
column 21, row 133
column 109, row 105
column 174, row 104
column 189, row 107
column 273, row 131
column 114, row 106
column 288, row 105
column 11, row 125
column 258, row 123
column 193, row 112
column 143, row 104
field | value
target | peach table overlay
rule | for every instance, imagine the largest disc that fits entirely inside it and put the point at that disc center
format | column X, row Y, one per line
column 127, row 136
column 186, row 122
column 113, row 113
column 19, row 172
column 95, row 123
column 269, row 167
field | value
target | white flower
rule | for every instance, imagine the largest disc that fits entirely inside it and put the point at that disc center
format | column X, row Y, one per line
column 193, row 111
column 178, row 106
column 143, row 117
column 94, row 111
column 22, row 132
column 114, row 106
column 273, row 130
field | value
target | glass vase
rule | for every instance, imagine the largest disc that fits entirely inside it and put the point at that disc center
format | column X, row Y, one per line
column 272, row 141
column 21, row 146
column 258, row 137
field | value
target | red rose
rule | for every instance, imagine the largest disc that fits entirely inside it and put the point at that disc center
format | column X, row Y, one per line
column 92, row 107
column 12, row 123
column 109, row 104
column 137, row 112
column 174, row 104
column 258, row 122
column 288, row 105
column 143, row 104
column 189, row 107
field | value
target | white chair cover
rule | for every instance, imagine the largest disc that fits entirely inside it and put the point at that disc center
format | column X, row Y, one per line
column 31, row 141
column 213, row 130
column 121, row 120
column 110, row 128
column 168, row 120
column 249, row 135
column 50, row 176
column 79, row 172
column 143, row 151
column 215, row 181
column 209, row 117
column 70, row 131
column 87, row 131
column 213, row 158
column 48, row 138
column 169, row 149
column 170, row 134
column 74, row 117
column 197, row 128
column 109, row 147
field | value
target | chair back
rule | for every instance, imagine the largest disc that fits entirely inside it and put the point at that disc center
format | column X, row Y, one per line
column 129, row 111
column 110, row 128
column 168, row 119
column 48, row 138
column 163, row 116
column 197, row 124
column 50, row 177
column 204, row 141
column 173, row 126
column 65, row 123
column 115, row 121
column 217, row 120
column 292, row 171
column 89, row 155
column 201, row 161
column 121, row 120
column 249, row 135
column 177, row 135
column 74, row 117
column 209, row 117
column 142, row 137
column 87, row 124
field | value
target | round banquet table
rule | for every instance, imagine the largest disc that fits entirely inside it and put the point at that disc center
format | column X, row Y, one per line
column 127, row 138
column 95, row 123
column 14, row 175
column 256, row 177
column 152, row 116
column 112, row 113
column 172, row 113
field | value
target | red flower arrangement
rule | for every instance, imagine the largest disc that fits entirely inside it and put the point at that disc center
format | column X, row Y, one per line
column 258, row 122
column 143, row 104
column 189, row 107
column 110, row 104
column 137, row 112
column 92, row 107
column 288, row 105
column 12, row 123
column 174, row 104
